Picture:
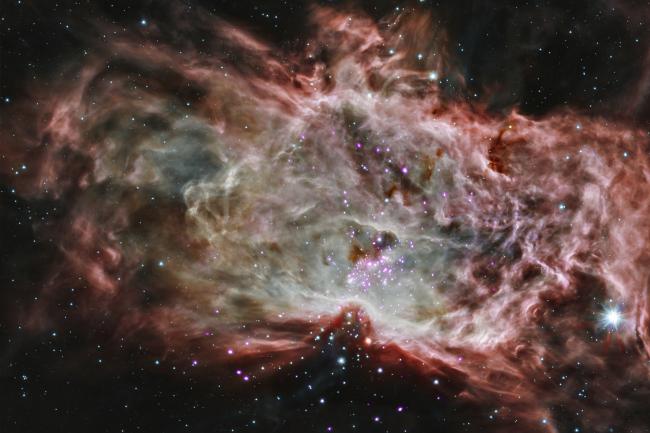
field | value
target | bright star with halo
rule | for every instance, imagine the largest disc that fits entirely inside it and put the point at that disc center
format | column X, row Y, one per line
column 612, row 318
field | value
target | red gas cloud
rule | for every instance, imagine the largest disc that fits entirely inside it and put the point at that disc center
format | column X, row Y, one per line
column 246, row 202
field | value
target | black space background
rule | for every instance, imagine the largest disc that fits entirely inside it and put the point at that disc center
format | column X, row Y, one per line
column 540, row 56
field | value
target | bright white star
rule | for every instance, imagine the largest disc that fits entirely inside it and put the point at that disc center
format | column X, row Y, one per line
column 612, row 318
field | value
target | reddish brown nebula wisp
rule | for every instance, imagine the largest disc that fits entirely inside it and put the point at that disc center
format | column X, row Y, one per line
column 261, row 202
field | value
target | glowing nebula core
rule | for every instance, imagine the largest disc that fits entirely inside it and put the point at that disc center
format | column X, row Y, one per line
column 250, row 205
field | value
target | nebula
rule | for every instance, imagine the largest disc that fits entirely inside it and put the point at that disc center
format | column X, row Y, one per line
column 244, row 204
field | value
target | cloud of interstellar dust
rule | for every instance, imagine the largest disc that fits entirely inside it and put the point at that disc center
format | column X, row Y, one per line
column 258, row 193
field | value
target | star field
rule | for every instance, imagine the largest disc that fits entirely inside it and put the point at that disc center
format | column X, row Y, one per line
column 246, row 216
